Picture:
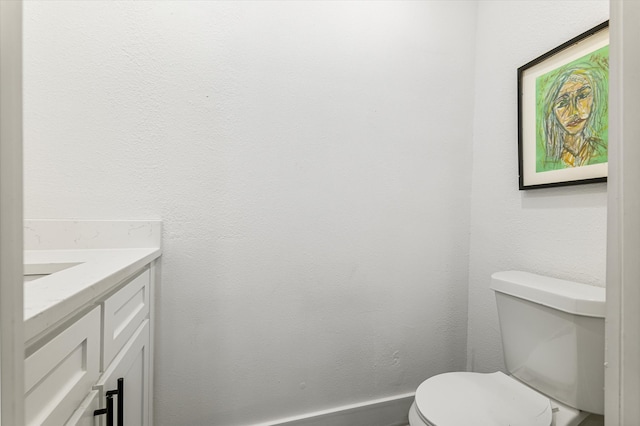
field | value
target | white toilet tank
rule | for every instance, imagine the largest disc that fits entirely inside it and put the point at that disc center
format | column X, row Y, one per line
column 553, row 336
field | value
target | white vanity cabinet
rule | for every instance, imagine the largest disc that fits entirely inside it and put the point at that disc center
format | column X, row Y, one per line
column 131, row 365
column 69, row 376
column 126, row 350
column 60, row 373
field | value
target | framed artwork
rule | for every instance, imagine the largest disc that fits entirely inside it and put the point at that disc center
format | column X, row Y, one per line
column 563, row 113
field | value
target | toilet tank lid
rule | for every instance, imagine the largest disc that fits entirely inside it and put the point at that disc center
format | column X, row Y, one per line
column 568, row 296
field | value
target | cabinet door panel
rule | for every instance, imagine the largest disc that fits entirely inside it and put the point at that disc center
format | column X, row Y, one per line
column 123, row 313
column 83, row 416
column 59, row 375
column 131, row 364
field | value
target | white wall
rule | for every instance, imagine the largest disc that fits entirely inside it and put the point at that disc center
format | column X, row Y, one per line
column 559, row 232
column 311, row 162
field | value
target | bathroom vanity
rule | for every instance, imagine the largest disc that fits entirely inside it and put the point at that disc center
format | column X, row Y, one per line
column 89, row 321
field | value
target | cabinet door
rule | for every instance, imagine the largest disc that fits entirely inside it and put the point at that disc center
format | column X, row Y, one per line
column 83, row 416
column 123, row 313
column 59, row 375
column 131, row 364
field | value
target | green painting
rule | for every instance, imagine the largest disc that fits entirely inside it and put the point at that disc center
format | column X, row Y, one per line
column 572, row 118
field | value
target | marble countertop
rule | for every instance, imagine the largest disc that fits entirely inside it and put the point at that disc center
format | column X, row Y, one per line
column 71, row 278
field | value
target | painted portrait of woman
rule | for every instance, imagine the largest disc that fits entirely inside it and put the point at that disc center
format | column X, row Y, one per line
column 572, row 114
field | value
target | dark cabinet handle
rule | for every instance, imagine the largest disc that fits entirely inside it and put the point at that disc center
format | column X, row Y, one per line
column 108, row 411
column 121, row 401
column 119, row 392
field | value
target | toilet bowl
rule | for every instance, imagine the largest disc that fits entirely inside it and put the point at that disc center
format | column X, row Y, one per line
column 553, row 340
column 459, row 399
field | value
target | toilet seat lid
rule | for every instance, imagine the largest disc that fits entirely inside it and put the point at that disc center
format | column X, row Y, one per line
column 462, row 399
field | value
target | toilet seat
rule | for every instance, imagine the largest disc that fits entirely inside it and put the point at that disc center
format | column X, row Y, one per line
column 462, row 399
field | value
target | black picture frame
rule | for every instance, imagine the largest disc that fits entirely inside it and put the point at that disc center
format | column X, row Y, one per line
column 563, row 113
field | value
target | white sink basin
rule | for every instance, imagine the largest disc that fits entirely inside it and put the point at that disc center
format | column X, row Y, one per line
column 38, row 270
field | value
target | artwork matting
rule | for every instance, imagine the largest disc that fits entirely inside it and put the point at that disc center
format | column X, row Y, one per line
column 563, row 113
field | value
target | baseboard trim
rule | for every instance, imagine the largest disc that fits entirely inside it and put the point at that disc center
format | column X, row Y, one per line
column 391, row 411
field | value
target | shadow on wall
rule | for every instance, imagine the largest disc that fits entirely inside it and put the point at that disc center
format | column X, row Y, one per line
column 579, row 196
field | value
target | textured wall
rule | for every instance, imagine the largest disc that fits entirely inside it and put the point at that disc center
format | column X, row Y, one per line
column 559, row 232
column 311, row 162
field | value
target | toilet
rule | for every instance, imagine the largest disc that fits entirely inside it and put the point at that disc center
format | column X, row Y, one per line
column 553, row 342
